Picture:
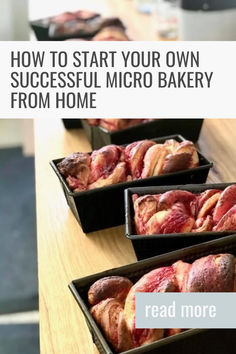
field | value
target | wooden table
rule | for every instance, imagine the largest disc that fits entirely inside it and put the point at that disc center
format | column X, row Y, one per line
column 65, row 253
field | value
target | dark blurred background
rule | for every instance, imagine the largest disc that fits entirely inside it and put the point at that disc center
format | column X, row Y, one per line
column 19, row 329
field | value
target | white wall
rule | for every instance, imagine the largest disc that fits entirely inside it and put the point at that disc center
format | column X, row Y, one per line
column 14, row 24
column 17, row 132
column 10, row 132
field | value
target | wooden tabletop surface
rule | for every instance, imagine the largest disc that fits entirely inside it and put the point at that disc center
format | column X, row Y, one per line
column 65, row 253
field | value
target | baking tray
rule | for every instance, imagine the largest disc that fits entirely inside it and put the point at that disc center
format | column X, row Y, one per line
column 72, row 123
column 193, row 341
column 146, row 246
column 41, row 29
column 104, row 207
column 189, row 128
column 42, row 32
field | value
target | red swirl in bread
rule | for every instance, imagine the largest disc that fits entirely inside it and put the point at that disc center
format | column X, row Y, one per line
column 180, row 211
column 113, row 298
column 114, row 164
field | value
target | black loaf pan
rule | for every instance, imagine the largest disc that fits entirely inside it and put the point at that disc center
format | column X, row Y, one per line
column 72, row 123
column 146, row 246
column 193, row 341
column 41, row 29
column 89, row 130
column 42, row 33
column 98, row 136
column 104, row 207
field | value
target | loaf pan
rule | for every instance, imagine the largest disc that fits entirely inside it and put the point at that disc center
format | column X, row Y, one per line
column 193, row 341
column 146, row 246
column 189, row 128
column 42, row 33
column 104, row 207
column 72, row 123
column 41, row 29
column 88, row 130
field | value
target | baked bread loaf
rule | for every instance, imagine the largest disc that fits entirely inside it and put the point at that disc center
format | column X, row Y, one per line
column 111, row 33
column 88, row 24
column 180, row 211
column 114, row 164
column 112, row 299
